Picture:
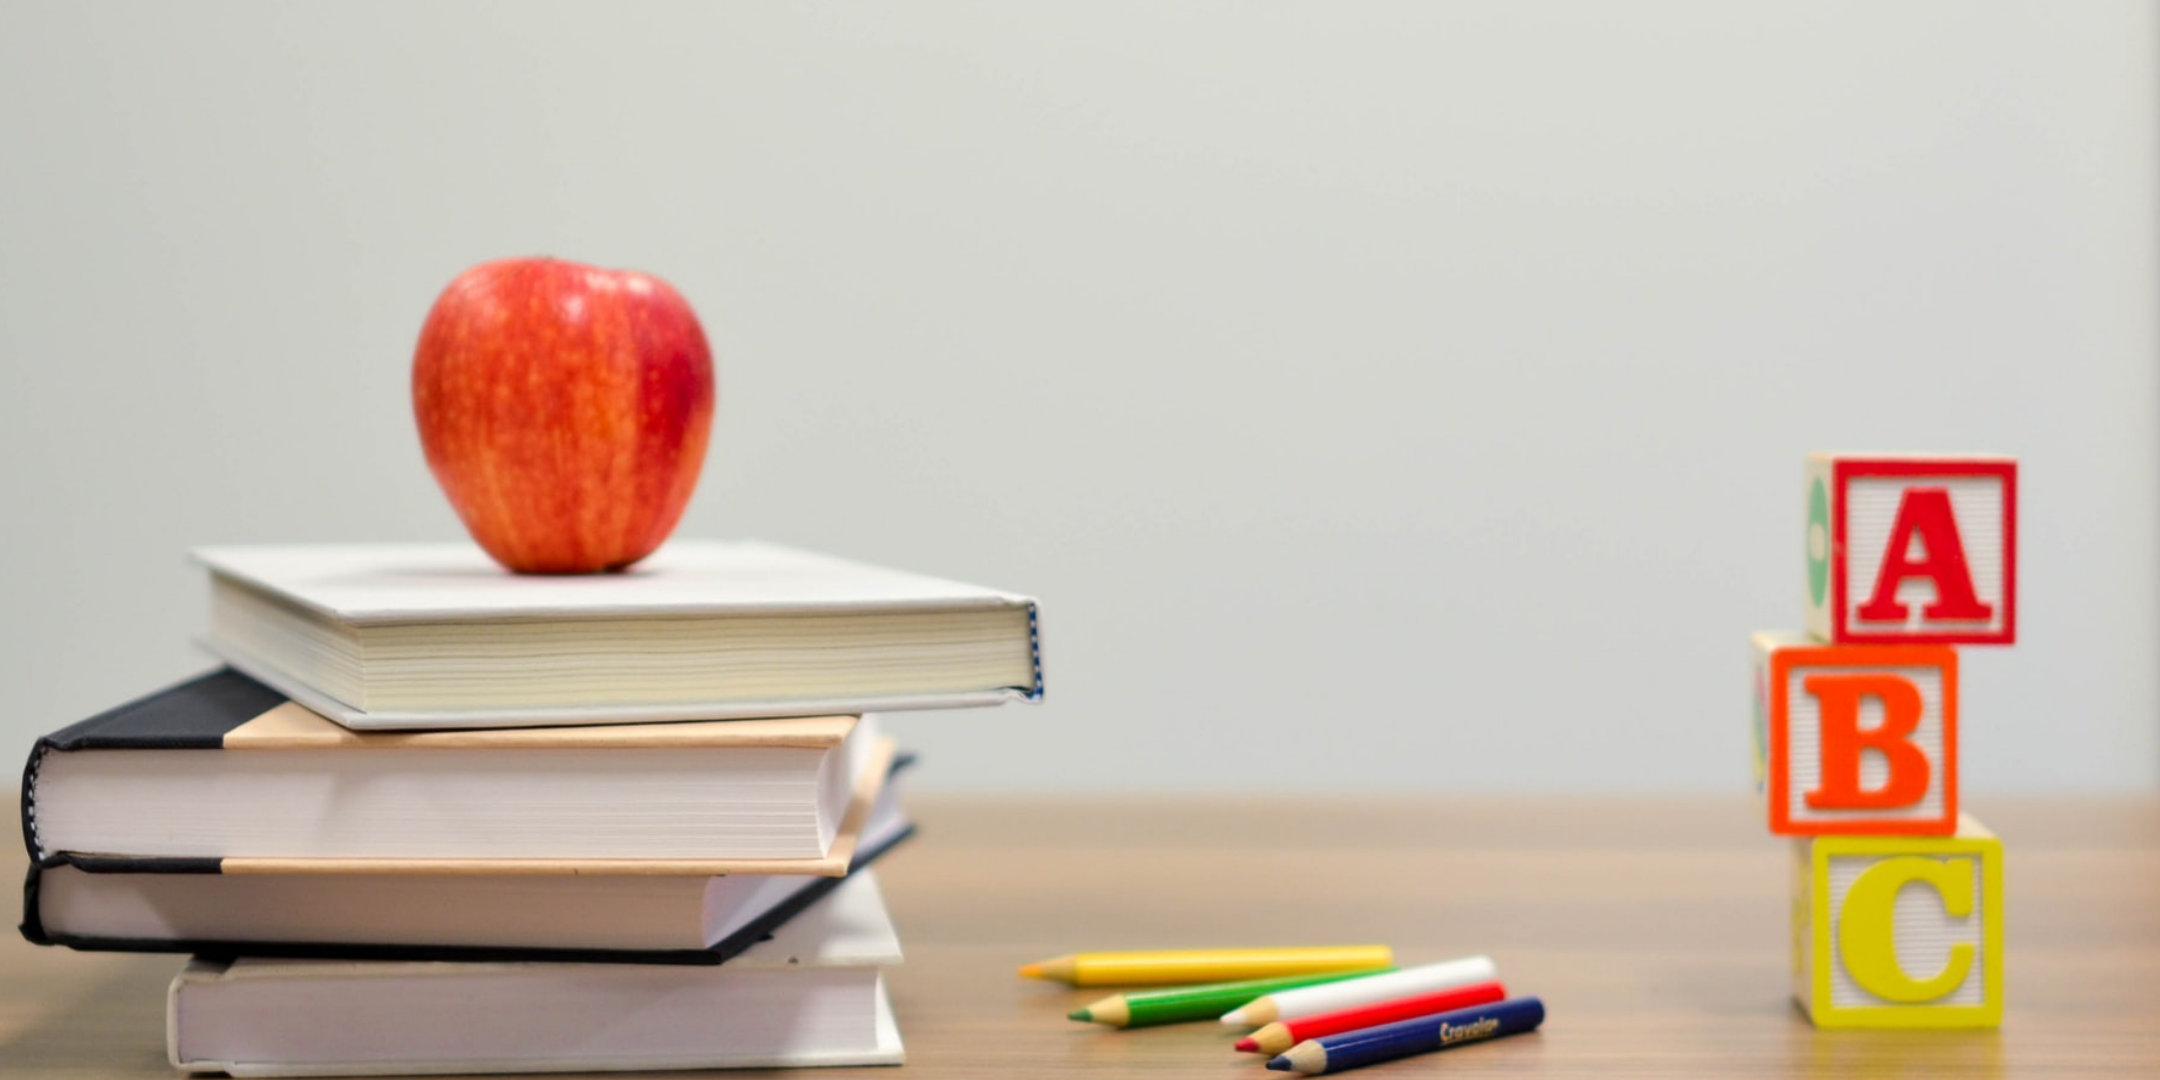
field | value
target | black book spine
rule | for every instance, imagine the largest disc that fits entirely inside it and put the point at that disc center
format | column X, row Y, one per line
column 194, row 715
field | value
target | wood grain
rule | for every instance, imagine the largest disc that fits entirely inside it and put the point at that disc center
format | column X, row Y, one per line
column 1655, row 930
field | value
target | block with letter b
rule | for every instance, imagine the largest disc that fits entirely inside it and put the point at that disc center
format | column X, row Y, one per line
column 1912, row 549
column 1901, row 932
column 1857, row 739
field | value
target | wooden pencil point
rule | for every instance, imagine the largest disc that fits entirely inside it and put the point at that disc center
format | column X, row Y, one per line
column 1305, row 1057
column 1270, row 1040
column 1081, row 1014
column 1058, row 969
column 1115, row 1010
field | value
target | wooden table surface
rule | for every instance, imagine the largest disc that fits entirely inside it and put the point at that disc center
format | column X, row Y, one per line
column 1656, row 931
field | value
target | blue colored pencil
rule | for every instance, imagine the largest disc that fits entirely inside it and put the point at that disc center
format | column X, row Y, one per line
column 1370, row 1046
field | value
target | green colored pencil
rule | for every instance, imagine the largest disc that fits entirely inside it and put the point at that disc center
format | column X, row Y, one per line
column 1188, row 1003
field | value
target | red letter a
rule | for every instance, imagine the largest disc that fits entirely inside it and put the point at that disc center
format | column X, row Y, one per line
column 1926, row 512
column 1842, row 742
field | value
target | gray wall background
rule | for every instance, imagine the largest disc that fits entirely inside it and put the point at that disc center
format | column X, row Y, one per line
column 1381, row 396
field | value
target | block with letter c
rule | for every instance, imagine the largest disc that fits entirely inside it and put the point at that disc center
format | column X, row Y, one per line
column 1857, row 739
column 1901, row 932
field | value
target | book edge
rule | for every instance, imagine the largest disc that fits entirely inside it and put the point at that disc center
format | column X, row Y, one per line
column 832, row 864
column 362, row 720
column 215, row 559
column 888, row 1050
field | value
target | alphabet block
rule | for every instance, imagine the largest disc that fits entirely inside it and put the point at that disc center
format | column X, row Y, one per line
column 1857, row 739
column 1899, row 932
column 1912, row 549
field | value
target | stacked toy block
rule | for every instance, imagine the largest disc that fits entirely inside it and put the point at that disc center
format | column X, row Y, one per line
column 1897, row 893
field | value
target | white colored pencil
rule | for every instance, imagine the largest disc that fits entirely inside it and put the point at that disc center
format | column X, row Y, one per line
column 1350, row 993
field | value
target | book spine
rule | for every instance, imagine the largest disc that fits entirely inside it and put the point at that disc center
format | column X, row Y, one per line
column 29, row 798
column 1035, row 693
column 32, row 925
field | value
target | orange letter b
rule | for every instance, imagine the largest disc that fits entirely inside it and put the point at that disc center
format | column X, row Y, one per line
column 1843, row 741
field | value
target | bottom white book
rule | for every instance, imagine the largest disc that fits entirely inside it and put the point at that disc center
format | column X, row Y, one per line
column 812, row 995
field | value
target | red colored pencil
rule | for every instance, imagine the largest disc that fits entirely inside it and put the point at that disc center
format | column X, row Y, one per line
column 1284, row 1034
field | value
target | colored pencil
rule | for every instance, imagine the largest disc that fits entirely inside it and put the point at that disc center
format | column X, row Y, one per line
column 1284, row 1034
column 1205, row 965
column 1355, row 1049
column 1188, row 1003
column 1446, row 975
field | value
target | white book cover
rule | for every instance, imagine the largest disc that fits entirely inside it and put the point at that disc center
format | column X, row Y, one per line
column 444, row 582
column 436, row 635
column 813, row 995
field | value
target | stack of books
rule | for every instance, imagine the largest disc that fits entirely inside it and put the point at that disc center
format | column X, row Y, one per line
column 437, row 818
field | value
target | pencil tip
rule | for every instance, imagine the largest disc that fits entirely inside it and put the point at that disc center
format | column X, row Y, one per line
column 1031, row 971
column 1248, row 1045
column 1234, row 1018
column 1081, row 1014
column 1279, row 1063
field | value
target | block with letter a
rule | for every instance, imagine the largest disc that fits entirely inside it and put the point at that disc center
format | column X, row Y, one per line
column 1858, row 739
column 1899, row 932
column 1912, row 549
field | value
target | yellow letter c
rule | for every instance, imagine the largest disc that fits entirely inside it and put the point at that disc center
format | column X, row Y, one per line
column 1867, row 940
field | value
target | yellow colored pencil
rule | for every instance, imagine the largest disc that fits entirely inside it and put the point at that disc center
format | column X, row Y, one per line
column 1204, row 965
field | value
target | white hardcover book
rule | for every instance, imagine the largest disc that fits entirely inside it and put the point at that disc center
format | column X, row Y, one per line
column 813, row 995
column 384, row 636
column 222, row 768
column 596, row 916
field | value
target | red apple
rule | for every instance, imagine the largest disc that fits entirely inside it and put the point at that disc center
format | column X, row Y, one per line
column 564, row 409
